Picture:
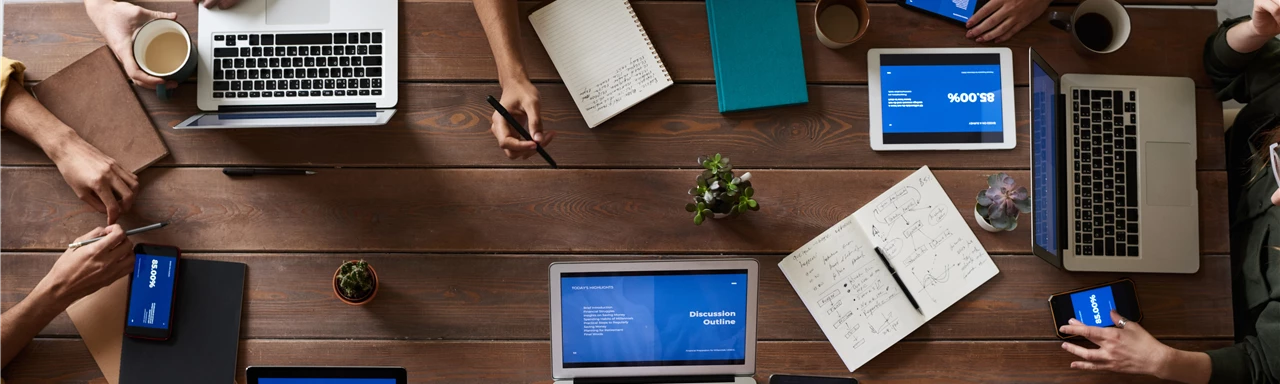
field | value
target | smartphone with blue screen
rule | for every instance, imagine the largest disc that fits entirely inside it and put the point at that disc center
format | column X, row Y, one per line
column 954, row 11
column 153, row 288
column 1093, row 305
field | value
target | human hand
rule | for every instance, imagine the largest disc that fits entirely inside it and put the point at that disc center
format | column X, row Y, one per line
column 999, row 20
column 1266, row 17
column 81, row 271
column 521, row 100
column 1127, row 350
column 221, row 4
column 117, row 20
column 95, row 177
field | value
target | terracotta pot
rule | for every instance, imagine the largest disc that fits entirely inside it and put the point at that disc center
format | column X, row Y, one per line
column 364, row 301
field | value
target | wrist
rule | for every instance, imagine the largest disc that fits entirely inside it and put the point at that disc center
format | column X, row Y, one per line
column 51, row 290
column 512, row 75
column 57, row 142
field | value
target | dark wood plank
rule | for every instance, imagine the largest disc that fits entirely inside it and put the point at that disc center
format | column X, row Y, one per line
column 429, row 297
column 447, row 125
column 444, row 41
column 489, row 362
column 470, row 210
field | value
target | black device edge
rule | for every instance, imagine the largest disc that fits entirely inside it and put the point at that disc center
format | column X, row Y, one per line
column 146, row 333
column 253, row 373
column 979, row 4
column 787, row 376
column 1133, row 289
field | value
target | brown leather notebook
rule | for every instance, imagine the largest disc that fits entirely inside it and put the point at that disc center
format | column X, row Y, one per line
column 95, row 98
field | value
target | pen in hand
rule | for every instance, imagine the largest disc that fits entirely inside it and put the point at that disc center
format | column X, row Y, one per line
column 130, row 232
column 515, row 125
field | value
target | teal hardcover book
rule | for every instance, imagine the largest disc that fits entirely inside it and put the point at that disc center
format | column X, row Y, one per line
column 755, row 45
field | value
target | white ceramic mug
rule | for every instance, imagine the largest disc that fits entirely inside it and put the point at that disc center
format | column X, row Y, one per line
column 1110, row 10
column 146, row 34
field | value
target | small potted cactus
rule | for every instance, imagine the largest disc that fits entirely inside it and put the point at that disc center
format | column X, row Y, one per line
column 718, row 193
column 1000, row 204
column 355, row 282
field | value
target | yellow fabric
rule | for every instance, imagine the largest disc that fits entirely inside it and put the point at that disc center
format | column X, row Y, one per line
column 10, row 71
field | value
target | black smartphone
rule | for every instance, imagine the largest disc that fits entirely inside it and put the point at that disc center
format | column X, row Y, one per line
column 1092, row 305
column 153, row 290
column 801, row 379
column 954, row 11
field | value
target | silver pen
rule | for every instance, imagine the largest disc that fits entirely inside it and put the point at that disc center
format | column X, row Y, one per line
column 130, row 232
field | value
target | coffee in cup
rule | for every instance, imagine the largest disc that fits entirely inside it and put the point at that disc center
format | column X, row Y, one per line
column 839, row 23
column 163, row 48
column 1098, row 26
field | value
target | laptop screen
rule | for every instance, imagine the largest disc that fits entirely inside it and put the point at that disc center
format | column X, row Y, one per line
column 1044, row 158
column 654, row 318
column 325, row 381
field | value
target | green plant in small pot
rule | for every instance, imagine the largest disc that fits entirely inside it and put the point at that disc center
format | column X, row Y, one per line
column 718, row 193
column 1000, row 204
column 355, row 282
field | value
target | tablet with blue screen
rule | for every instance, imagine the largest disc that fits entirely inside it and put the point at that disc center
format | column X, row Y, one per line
column 326, row 375
column 941, row 98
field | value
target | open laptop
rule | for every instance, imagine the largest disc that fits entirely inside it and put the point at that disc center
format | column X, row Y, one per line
column 326, row 375
column 654, row 322
column 1113, row 161
column 297, row 63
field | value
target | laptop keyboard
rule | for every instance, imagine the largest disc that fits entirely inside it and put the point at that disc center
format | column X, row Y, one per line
column 266, row 65
column 1105, row 171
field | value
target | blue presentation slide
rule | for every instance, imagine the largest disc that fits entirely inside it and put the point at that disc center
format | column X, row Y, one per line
column 960, row 10
column 326, row 381
column 656, row 318
column 152, row 291
column 1094, row 306
column 1044, row 162
column 941, row 98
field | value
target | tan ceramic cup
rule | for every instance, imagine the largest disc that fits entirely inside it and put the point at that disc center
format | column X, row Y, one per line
column 839, row 23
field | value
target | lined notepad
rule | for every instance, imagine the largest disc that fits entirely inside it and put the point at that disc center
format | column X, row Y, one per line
column 602, row 53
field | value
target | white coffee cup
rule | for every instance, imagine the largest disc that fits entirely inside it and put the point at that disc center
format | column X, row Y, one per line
column 1097, row 26
column 163, row 48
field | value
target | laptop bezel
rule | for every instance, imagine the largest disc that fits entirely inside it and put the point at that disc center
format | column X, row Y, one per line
column 1061, row 174
column 557, row 356
column 254, row 373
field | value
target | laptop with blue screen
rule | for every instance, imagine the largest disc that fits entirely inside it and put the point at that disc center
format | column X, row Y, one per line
column 326, row 375
column 654, row 322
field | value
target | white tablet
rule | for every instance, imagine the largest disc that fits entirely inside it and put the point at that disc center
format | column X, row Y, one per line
column 941, row 98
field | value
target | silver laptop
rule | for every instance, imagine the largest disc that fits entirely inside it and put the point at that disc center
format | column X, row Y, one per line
column 1114, row 171
column 654, row 322
column 297, row 63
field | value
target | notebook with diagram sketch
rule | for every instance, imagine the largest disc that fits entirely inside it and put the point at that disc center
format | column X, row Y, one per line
column 851, row 294
column 602, row 53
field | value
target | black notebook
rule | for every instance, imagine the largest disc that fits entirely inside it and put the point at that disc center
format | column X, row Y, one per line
column 206, row 330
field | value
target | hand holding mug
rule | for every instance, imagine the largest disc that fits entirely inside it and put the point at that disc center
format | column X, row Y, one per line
column 117, row 21
column 163, row 48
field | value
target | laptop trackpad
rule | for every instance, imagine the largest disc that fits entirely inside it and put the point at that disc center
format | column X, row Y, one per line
column 1170, row 173
column 292, row 12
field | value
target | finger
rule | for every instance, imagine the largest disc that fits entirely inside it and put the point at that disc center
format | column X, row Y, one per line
column 1129, row 324
column 109, row 200
column 996, row 32
column 159, row 15
column 208, row 4
column 109, row 241
column 90, row 197
column 534, row 117
column 126, row 194
column 1074, row 321
column 140, row 77
column 546, row 138
column 988, row 22
column 129, row 178
column 1084, row 353
column 1090, row 366
column 978, row 17
column 99, row 231
column 227, row 4
column 1017, row 27
column 1094, row 334
column 517, row 145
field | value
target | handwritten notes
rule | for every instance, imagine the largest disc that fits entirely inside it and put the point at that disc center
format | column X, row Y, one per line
column 602, row 53
column 851, row 294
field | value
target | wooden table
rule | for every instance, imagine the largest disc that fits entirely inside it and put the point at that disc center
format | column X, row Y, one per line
column 462, row 237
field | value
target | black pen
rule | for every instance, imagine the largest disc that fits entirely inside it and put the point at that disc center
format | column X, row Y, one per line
column 898, row 279
column 130, row 232
column 516, row 126
column 265, row 171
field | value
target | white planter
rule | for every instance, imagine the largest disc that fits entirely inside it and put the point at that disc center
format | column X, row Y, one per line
column 983, row 222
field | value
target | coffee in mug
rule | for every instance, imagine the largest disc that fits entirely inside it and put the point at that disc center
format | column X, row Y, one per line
column 839, row 23
column 162, row 48
column 165, row 54
column 1094, row 31
column 1098, row 26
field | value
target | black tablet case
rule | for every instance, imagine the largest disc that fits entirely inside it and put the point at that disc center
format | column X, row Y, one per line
column 206, row 330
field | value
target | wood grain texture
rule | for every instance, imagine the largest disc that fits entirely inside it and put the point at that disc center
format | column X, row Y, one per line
column 430, row 297
column 490, row 362
column 469, row 210
column 444, row 41
column 447, row 125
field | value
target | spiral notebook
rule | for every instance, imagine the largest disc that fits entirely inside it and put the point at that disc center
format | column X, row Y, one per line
column 602, row 53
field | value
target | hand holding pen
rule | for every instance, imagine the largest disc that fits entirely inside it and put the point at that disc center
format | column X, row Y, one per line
column 512, row 138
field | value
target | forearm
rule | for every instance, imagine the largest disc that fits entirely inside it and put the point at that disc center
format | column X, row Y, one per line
column 501, row 25
column 24, row 321
column 24, row 115
column 1244, row 39
column 1186, row 367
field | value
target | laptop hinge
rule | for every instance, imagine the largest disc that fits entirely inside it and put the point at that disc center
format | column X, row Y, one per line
column 656, row 379
column 1064, row 136
column 295, row 107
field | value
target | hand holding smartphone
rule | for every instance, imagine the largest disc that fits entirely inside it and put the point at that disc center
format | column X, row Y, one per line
column 1093, row 305
column 152, row 292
